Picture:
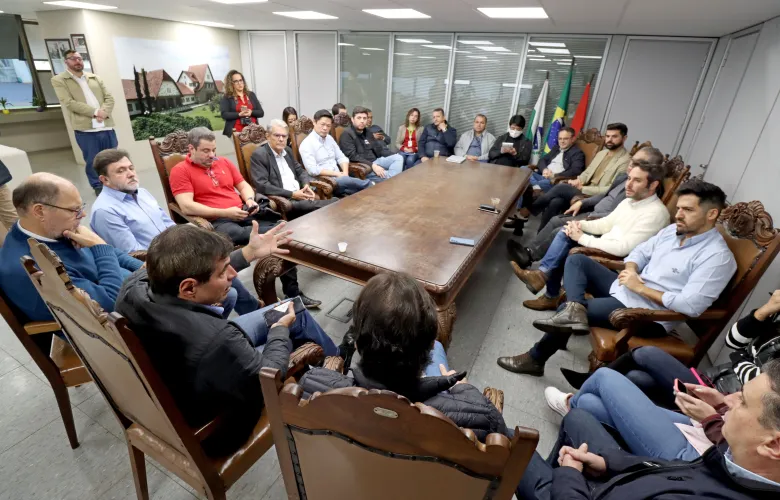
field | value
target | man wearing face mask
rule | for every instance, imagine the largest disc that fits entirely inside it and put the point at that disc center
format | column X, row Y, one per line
column 516, row 155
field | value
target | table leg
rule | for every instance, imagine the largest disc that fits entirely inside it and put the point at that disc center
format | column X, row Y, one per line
column 446, row 316
column 264, row 277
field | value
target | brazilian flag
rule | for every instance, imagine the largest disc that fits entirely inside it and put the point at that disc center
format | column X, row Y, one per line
column 560, row 113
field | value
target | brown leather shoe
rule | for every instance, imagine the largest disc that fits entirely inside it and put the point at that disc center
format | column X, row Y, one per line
column 545, row 303
column 522, row 363
column 534, row 280
column 571, row 319
column 524, row 213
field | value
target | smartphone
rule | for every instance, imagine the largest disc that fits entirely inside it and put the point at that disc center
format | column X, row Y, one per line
column 244, row 108
column 277, row 312
column 680, row 387
column 462, row 241
column 489, row 208
column 252, row 210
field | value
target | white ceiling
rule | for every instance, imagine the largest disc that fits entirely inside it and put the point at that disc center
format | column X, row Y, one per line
column 633, row 17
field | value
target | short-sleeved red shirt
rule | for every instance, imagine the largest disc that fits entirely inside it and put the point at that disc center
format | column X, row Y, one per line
column 187, row 177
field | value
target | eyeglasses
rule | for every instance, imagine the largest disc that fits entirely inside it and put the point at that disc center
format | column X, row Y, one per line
column 77, row 59
column 238, row 81
column 280, row 136
column 79, row 212
column 213, row 176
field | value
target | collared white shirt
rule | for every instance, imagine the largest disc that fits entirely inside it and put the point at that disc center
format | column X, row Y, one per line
column 556, row 165
column 33, row 235
column 320, row 153
column 91, row 101
column 289, row 182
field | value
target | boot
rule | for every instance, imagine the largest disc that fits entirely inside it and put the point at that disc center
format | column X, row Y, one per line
column 347, row 347
column 519, row 253
column 545, row 303
column 522, row 363
column 572, row 318
column 623, row 364
column 534, row 280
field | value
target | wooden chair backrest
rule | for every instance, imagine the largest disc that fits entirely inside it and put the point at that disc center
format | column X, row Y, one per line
column 167, row 154
column 677, row 172
column 116, row 361
column 245, row 143
column 637, row 147
column 356, row 443
column 299, row 129
column 590, row 142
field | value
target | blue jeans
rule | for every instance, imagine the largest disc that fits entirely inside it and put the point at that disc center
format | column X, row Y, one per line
column 393, row 164
column 238, row 298
column 647, row 429
column 538, row 179
column 438, row 357
column 92, row 143
column 346, row 185
column 410, row 159
column 655, row 372
column 305, row 329
column 552, row 264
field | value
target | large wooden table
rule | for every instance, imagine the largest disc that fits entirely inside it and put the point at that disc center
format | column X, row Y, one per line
column 405, row 223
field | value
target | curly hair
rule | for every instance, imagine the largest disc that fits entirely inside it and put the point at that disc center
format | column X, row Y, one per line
column 229, row 92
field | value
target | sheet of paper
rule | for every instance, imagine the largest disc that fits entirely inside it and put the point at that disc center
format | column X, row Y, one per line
column 97, row 124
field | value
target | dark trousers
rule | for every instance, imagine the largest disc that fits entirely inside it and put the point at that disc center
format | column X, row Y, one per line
column 554, row 202
column 578, row 427
column 303, row 207
column 544, row 238
column 245, row 301
column 653, row 370
column 92, row 143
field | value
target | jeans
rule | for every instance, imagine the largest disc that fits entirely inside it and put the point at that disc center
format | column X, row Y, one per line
column 92, row 143
column 410, row 159
column 346, row 185
column 245, row 301
column 393, row 164
column 552, row 264
column 554, row 202
column 305, row 329
column 654, row 371
column 647, row 429
column 438, row 357
column 544, row 238
column 538, row 179
column 578, row 427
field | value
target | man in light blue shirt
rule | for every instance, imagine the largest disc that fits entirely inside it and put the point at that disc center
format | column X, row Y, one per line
column 321, row 155
column 684, row 268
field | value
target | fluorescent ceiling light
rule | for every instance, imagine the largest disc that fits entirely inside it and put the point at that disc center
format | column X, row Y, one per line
column 443, row 47
column 547, row 44
column 493, row 49
column 370, row 48
column 587, row 57
column 81, row 5
column 510, row 85
column 514, row 12
column 478, row 57
column 211, row 24
column 238, row 2
column 305, row 14
column 403, row 54
column 475, row 42
column 425, row 57
column 397, row 13
column 554, row 51
column 531, row 50
column 413, row 40
column 346, row 44
column 462, row 82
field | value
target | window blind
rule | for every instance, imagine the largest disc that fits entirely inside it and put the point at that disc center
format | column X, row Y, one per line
column 364, row 59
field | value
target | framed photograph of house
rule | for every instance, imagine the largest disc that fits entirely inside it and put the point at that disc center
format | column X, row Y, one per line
column 56, row 48
column 80, row 46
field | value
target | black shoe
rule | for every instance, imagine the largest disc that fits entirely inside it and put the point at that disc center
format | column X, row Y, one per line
column 512, row 223
column 98, row 190
column 309, row 303
column 518, row 230
column 519, row 254
column 522, row 363
column 347, row 348
column 575, row 379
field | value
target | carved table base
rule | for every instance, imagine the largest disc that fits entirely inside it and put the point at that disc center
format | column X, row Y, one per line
column 446, row 316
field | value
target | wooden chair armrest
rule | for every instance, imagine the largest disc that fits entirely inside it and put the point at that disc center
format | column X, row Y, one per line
column 335, row 363
column 359, row 170
column 594, row 252
column 35, row 327
column 308, row 354
column 192, row 219
column 559, row 179
column 629, row 317
column 283, row 205
column 495, row 396
column 139, row 254
column 324, row 188
column 532, row 167
column 209, row 428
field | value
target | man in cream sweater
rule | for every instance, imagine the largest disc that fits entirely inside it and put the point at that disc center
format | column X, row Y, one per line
column 636, row 219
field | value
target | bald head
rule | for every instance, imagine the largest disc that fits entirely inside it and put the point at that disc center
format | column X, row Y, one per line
column 48, row 205
column 41, row 187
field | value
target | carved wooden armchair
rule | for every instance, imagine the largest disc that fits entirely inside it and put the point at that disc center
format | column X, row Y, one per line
column 356, row 443
column 590, row 142
column 152, row 423
column 749, row 233
column 637, row 146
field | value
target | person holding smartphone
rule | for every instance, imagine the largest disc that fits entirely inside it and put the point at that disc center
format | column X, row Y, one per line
column 239, row 107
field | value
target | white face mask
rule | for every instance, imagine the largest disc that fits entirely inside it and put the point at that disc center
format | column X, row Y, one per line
column 514, row 134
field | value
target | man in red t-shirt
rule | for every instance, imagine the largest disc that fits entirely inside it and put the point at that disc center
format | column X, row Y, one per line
column 211, row 187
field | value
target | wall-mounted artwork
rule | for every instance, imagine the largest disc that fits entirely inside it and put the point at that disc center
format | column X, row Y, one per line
column 56, row 47
column 80, row 46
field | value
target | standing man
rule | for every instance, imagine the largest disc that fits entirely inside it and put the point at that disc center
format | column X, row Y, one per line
column 437, row 136
column 360, row 146
column 89, row 105
column 475, row 144
column 376, row 130
column 321, row 156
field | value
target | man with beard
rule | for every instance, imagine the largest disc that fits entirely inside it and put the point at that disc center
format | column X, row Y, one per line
column 596, row 179
column 683, row 268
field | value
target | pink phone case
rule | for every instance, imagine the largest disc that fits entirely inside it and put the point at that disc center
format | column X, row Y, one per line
column 696, row 374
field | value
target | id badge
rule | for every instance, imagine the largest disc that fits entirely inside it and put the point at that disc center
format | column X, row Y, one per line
column 410, row 143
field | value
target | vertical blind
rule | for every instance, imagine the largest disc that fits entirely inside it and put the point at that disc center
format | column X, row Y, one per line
column 554, row 55
column 420, row 65
column 364, row 60
column 484, row 81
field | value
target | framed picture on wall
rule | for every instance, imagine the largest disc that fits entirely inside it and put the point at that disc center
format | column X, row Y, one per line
column 80, row 46
column 56, row 47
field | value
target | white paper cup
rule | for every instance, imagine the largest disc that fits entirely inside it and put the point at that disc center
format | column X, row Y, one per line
column 436, row 154
column 342, row 246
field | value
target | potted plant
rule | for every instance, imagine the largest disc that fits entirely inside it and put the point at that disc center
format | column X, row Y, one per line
column 4, row 103
column 40, row 104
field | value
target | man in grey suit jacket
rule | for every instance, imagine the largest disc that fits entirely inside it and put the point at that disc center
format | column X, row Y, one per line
column 276, row 173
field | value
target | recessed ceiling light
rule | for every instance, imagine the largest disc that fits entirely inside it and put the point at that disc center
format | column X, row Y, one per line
column 462, row 82
column 370, row 48
column 492, row 49
column 543, row 70
column 514, row 12
column 554, row 51
column 509, row 53
column 478, row 57
column 403, row 54
column 305, row 14
column 531, row 50
column 547, row 44
column 475, row 42
column 564, row 64
column 346, row 44
column 587, row 57
column 238, row 2
column 442, row 47
column 562, row 60
column 541, row 60
column 425, row 57
column 510, row 85
column 81, row 5
column 413, row 40
column 397, row 13
column 366, row 54
column 211, row 24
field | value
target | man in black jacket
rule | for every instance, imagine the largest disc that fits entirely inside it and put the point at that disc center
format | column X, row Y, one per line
column 359, row 145
column 437, row 136
column 516, row 155
column 587, row 463
column 209, row 364
column 565, row 159
column 275, row 172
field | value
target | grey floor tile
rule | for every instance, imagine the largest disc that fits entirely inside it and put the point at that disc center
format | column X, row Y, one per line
column 258, row 480
column 98, row 410
column 161, row 487
column 11, row 345
column 7, row 363
column 77, row 394
column 28, row 405
column 277, row 491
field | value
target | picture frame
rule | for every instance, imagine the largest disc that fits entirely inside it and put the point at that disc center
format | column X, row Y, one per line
column 79, row 42
column 56, row 48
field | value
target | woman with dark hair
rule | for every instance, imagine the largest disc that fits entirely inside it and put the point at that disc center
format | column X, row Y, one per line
column 239, row 107
column 512, row 149
column 407, row 137
column 395, row 326
column 289, row 115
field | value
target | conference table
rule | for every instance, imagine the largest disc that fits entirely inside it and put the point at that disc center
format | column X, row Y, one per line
column 404, row 224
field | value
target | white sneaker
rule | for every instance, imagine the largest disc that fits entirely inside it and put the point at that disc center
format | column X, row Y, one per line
column 557, row 400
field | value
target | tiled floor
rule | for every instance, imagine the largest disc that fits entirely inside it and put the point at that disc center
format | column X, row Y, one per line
column 37, row 462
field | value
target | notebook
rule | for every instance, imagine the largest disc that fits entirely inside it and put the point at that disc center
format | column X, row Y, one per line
column 455, row 159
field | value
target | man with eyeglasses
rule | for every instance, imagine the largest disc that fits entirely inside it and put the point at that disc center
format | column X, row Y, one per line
column 88, row 105
column 50, row 211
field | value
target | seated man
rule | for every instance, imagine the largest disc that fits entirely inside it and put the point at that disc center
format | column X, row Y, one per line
column 395, row 324
column 475, row 144
column 596, row 179
column 205, row 185
column 519, row 153
column 209, row 364
column 338, row 109
column 128, row 217
column 684, row 268
column 50, row 210
column 437, row 136
column 376, row 130
column 565, row 159
column 275, row 172
column 321, row 156
column 360, row 146
column 587, row 462
column 640, row 216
